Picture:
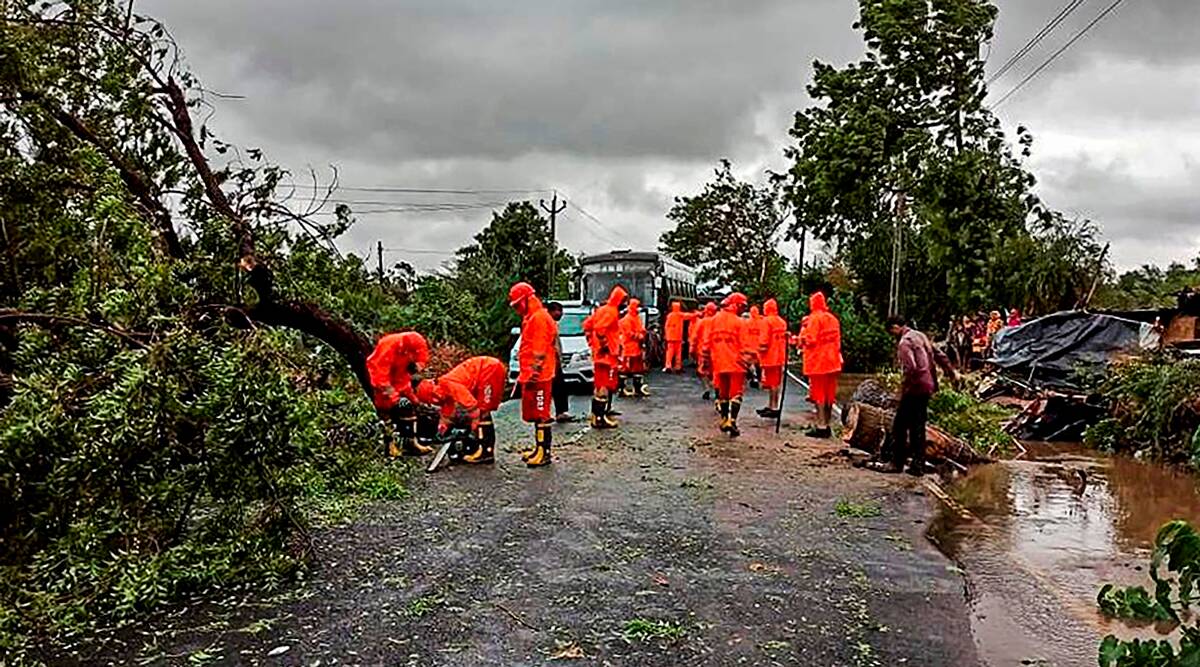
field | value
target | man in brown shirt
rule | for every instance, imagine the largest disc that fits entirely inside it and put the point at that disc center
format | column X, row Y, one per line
column 916, row 357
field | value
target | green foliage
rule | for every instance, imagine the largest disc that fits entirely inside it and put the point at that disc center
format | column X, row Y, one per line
column 976, row 422
column 1177, row 546
column 1149, row 286
column 1155, row 403
column 730, row 232
column 866, row 344
column 902, row 139
column 644, row 630
column 848, row 508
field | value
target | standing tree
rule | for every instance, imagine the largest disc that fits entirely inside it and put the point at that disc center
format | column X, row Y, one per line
column 902, row 142
column 731, row 231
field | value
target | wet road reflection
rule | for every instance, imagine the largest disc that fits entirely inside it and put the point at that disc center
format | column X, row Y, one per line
column 1046, row 534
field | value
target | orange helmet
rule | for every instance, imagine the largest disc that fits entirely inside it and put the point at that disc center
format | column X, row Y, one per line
column 427, row 392
column 519, row 293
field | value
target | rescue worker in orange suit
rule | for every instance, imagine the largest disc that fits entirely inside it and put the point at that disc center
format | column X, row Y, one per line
column 605, row 339
column 772, row 356
column 537, row 365
column 396, row 359
column 729, row 358
column 753, row 337
column 821, row 342
column 633, row 334
column 466, row 398
column 700, row 348
column 673, row 335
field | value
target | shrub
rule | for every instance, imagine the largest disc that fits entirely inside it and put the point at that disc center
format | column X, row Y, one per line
column 1155, row 403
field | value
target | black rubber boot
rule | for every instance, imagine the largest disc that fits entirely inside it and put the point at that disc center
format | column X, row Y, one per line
column 541, row 453
column 707, row 395
column 639, row 386
column 600, row 418
column 406, row 429
column 486, row 451
column 723, row 410
column 735, row 407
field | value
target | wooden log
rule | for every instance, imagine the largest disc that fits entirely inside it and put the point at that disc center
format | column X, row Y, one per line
column 868, row 427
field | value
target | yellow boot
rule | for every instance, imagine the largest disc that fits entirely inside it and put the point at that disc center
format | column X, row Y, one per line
column 486, row 452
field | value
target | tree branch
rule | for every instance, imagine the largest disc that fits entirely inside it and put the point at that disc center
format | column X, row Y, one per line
column 9, row 316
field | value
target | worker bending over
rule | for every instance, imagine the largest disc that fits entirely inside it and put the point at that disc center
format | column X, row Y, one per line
column 537, row 365
column 603, row 329
column 466, row 398
column 396, row 359
column 772, row 356
column 633, row 335
column 729, row 360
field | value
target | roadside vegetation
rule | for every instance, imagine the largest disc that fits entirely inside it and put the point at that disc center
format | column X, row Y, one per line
column 1174, row 569
column 1155, row 409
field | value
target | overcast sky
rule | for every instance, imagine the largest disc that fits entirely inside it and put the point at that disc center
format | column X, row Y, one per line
column 621, row 105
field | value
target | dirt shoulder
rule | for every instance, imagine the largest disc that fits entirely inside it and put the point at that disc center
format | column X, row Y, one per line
column 663, row 543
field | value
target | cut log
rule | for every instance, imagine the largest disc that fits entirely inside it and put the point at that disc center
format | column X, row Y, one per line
column 869, row 427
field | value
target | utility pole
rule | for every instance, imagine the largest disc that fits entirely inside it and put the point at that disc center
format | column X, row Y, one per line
column 379, row 249
column 554, row 209
column 897, row 254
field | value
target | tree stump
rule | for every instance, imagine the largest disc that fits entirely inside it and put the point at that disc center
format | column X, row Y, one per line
column 868, row 427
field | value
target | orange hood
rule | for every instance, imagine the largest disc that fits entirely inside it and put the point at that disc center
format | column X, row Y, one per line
column 676, row 307
column 634, row 305
column 754, row 314
column 771, row 307
column 617, row 296
column 710, row 309
column 816, row 303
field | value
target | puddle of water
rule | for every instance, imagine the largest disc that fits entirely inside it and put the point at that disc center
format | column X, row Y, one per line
column 1047, row 534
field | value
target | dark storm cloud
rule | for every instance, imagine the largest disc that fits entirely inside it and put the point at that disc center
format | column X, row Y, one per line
column 439, row 79
column 623, row 104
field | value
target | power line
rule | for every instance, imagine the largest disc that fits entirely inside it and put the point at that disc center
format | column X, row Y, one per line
column 421, row 251
column 1062, row 15
column 419, row 191
column 595, row 221
column 1054, row 56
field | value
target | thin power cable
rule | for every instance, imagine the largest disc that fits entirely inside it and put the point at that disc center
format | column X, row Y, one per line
column 1054, row 56
column 1033, row 42
column 420, row 191
column 596, row 221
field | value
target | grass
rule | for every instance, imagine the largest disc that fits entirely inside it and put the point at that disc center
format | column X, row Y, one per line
column 421, row 606
column 644, row 630
column 848, row 508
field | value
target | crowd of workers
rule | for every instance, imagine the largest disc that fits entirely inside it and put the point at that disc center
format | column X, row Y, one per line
column 732, row 343
column 969, row 338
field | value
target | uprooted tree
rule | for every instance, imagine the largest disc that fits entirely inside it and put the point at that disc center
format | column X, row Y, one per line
column 182, row 347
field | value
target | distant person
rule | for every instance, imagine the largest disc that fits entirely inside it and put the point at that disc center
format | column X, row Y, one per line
column 699, row 344
column 673, row 334
column 821, row 343
column 959, row 341
column 633, row 351
column 916, row 357
column 726, row 353
column 772, row 355
column 562, row 398
column 1014, row 318
column 603, row 328
column 753, row 332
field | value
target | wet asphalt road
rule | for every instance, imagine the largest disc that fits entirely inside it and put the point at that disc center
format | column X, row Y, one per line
column 661, row 543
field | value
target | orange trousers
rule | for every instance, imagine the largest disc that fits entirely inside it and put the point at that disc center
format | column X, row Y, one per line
column 674, row 360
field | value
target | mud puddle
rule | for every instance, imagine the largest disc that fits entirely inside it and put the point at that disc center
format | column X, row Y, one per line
column 1037, row 538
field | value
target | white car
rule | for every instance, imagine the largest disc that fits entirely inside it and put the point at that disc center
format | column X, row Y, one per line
column 576, row 355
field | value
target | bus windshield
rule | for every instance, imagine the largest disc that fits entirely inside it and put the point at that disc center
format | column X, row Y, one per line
column 639, row 285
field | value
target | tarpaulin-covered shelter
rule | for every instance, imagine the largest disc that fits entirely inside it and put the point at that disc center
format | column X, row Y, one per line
column 1051, row 350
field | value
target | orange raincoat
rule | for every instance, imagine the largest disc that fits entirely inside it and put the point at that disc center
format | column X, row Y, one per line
column 772, row 348
column 673, row 330
column 469, row 389
column 390, row 367
column 752, row 334
column 536, row 354
column 604, row 327
column 696, row 340
column 633, row 332
column 821, row 339
column 726, row 337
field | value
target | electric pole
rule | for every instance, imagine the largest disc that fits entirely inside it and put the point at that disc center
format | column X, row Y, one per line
column 901, row 210
column 554, row 209
column 379, row 249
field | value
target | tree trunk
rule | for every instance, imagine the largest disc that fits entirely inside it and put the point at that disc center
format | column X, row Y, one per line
column 868, row 427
